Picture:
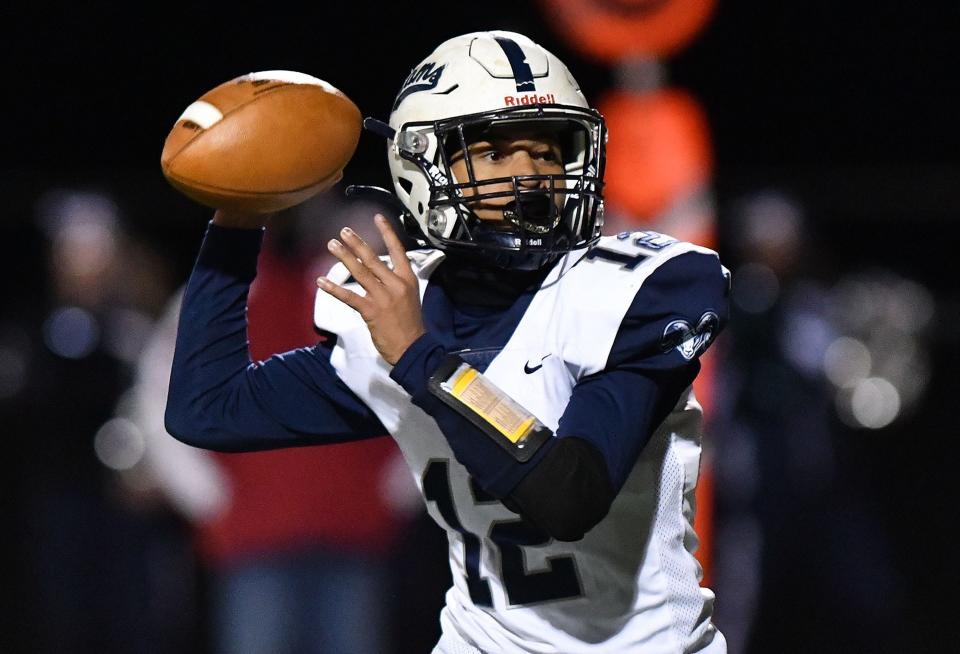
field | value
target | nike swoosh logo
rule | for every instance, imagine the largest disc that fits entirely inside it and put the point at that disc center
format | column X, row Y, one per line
column 527, row 369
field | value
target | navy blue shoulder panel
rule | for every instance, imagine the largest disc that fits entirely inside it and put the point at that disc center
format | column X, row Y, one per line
column 676, row 314
column 674, row 317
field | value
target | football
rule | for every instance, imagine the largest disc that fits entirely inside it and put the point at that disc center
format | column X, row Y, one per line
column 262, row 142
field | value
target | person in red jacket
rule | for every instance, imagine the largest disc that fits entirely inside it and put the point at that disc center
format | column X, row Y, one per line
column 296, row 539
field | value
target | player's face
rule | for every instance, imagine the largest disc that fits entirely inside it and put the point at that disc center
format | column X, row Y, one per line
column 509, row 154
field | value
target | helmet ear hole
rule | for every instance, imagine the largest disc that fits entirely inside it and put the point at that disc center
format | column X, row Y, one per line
column 405, row 184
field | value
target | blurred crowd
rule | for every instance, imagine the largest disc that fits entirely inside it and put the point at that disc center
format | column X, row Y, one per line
column 821, row 354
column 127, row 540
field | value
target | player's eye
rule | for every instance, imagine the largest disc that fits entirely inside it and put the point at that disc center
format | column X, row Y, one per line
column 547, row 155
column 491, row 155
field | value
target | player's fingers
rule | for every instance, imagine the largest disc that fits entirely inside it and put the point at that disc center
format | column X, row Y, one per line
column 365, row 253
column 398, row 254
column 345, row 295
column 361, row 273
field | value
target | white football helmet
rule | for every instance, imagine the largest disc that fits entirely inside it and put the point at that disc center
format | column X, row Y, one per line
column 476, row 84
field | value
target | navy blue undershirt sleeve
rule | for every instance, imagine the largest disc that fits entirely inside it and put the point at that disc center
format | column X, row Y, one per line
column 221, row 400
column 619, row 410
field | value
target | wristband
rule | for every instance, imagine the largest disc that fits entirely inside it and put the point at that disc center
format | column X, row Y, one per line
column 496, row 414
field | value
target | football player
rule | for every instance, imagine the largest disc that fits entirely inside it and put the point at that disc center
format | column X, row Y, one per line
column 536, row 376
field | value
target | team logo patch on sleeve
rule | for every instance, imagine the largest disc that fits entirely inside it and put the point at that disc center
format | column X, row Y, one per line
column 689, row 340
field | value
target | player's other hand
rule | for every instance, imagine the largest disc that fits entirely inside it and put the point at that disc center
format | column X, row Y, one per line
column 391, row 307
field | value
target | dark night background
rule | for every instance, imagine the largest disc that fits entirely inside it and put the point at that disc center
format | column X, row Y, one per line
column 852, row 107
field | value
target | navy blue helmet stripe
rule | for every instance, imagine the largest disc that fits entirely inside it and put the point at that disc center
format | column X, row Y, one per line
column 518, row 62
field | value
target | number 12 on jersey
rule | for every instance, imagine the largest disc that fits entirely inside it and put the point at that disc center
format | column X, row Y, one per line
column 643, row 244
column 559, row 581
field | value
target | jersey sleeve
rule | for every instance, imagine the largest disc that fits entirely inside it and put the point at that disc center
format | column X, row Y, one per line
column 218, row 398
column 674, row 317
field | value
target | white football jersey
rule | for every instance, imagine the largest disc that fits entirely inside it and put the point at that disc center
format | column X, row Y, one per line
column 632, row 583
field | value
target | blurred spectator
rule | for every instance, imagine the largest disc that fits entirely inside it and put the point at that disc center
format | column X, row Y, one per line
column 297, row 541
column 800, row 532
column 95, row 575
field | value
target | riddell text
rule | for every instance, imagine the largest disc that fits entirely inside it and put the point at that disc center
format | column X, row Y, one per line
column 533, row 98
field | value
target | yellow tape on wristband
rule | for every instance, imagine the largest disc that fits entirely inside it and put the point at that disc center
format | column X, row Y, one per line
column 490, row 403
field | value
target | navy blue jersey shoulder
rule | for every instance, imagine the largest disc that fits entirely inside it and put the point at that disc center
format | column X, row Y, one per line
column 676, row 314
column 650, row 366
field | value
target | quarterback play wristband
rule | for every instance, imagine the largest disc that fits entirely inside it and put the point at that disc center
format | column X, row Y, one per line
column 475, row 397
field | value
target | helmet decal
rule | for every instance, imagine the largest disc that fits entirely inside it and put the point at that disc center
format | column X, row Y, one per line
column 518, row 62
column 421, row 78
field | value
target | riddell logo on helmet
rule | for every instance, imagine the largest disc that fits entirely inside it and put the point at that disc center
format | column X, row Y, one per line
column 530, row 98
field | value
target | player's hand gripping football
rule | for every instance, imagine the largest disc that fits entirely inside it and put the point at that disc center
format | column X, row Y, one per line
column 391, row 307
